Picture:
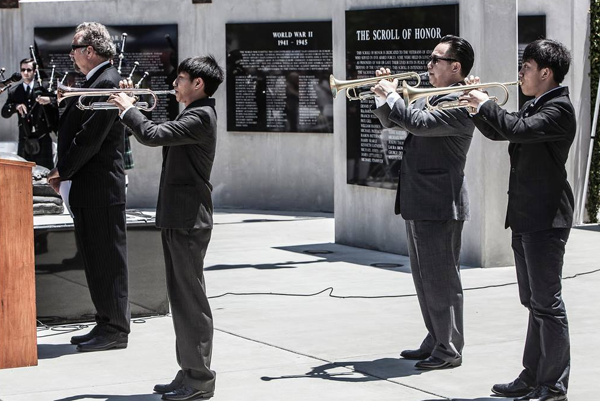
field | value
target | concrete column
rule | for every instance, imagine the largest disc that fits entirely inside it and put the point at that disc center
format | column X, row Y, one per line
column 364, row 216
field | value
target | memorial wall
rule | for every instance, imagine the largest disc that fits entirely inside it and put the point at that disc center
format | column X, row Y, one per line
column 283, row 142
column 278, row 77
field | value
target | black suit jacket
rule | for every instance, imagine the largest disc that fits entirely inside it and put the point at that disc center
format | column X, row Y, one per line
column 189, row 143
column 90, row 148
column 539, row 195
column 432, row 183
column 39, row 120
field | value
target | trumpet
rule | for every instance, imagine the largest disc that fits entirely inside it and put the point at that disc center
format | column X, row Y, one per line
column 351, row 86
column 63, row 92
column 411, row 94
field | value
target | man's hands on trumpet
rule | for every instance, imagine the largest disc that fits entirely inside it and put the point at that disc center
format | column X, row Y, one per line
column 122, row 100
column 385, row 86
column 473, row 98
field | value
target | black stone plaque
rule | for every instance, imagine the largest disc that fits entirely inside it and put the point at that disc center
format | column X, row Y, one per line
column 9, row 3
column 401, row 39
column 154, row 47
column 531, row 28
column 278, row 77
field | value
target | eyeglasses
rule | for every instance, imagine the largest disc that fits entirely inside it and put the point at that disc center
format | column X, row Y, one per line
column 433, row 59
column 75, row 47
column 26, row 69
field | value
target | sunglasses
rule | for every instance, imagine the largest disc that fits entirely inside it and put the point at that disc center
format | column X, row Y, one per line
column 26, row 69
column 433, row 59
column 75, row 47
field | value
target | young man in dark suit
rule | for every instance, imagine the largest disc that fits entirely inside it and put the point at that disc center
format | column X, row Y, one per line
column 540, row 211
column 184, row 214
column 432, row 198
column 90, row 157
column 37, row 117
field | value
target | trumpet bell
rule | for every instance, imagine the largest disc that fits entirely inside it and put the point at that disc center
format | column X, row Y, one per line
column 333, row 84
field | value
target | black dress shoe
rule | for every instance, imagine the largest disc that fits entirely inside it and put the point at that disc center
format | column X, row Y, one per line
column 415, row 354
column 436, row 363
column 75, row 340
column 174, row 385
column 543, row 393
column 515, row 388
column 103, row 343
column 185, row 393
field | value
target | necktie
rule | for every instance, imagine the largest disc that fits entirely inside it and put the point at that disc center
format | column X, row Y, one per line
column 27, row 91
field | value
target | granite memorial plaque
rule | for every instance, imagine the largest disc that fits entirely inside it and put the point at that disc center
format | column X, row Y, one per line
column 401, row 39
column 278, row 77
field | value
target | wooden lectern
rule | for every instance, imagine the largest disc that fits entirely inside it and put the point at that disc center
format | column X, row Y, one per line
column 18, row 333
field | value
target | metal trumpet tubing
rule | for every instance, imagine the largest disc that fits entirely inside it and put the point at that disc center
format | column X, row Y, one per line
column 410, row 94
column 352, row 86
column 64, row 92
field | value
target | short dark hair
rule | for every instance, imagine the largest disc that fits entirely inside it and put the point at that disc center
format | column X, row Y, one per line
column 551, row 54
column 205, row 67
column 461, row 51
column 27, row 61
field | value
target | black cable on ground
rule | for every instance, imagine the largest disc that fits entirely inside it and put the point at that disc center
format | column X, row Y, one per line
column 67, row 328
column 332, row 295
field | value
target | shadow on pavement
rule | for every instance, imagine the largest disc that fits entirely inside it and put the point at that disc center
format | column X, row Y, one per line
column 591, row 227
column 379, row 369
column 113, row 397
column 262, row 266
column 50, row 351
column 475, row 399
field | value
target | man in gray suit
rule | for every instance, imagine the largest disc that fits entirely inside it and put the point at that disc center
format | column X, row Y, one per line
column 432, row 198
column 184, row 214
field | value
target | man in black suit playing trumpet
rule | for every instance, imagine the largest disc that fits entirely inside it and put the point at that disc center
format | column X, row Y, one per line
column 432, row 198
column 540, row 211
column 184, row 214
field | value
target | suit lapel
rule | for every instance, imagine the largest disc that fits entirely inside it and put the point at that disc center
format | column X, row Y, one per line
column 531, row 108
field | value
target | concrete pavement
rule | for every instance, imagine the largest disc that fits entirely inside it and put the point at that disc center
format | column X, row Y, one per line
column 300, row 347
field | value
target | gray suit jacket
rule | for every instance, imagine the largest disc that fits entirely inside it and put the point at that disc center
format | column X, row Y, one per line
column 189, row 144
column 432, row 184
